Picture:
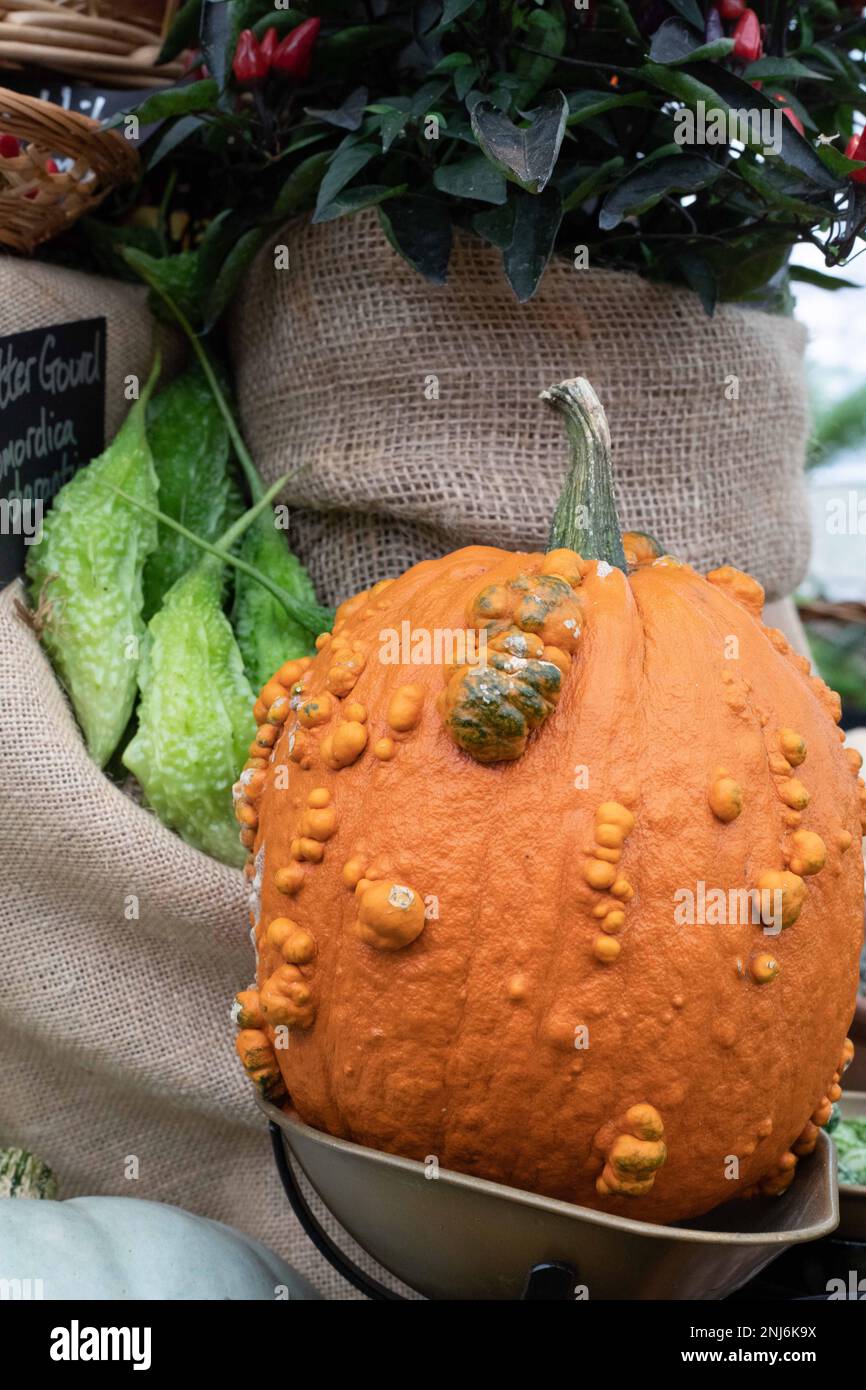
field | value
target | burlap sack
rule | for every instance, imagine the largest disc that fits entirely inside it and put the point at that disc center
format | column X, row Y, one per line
column 337, row 355
column 36, row 295
column 115, row 1037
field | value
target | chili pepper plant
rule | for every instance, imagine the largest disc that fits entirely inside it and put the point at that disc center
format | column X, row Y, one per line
column 539, row 127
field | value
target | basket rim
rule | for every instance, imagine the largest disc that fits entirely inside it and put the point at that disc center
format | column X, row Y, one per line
column 36, row 203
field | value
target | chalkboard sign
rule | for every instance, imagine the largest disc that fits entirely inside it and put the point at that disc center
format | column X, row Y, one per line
column 52, row 419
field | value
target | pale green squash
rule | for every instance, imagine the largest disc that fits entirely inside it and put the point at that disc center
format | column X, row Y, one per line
column 121, row 1248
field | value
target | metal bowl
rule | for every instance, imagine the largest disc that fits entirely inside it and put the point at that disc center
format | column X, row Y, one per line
column 460, row 1237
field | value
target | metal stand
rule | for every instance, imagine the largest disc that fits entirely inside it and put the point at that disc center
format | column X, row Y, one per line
column 551, row 1280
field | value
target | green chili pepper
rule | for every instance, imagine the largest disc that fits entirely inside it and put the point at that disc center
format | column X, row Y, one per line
column 88, row 566
column 195, row 717
column 266, row 635
column 190, row 446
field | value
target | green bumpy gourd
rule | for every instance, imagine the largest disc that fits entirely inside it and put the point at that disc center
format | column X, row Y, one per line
column 189, row 442
column 89, row 565
column 266, row 635
column 195, row 718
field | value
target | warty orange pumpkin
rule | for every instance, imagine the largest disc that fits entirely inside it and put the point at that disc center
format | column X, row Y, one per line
column 468, row 880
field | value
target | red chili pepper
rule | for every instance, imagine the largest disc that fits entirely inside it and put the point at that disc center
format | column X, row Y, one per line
column 269, row 44
column 249, row 63
column 10, row 146
column 786, row 111
column 856, row 149
column 748, row 45
column 294, row 56
column 731, row 9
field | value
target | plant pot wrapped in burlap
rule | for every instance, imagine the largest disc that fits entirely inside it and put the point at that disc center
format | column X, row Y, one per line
column 122, row 948
column 411, row 410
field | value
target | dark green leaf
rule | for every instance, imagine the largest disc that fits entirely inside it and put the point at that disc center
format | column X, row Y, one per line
column 496, row 226
column 219, row 237
column 426, row 97
column 785, row 69
column 474, row 177
column 281, row 20
column 808, row 276
column 346, row 163
column 583, row 106
column 348, row 116
column 420, row 230
column 393, row 120
column 826, row 55
column 525, row 155
column 700, row 277
column 746, row 276
column 176, row 276
column 217, row 39
column 298, row 189
column 675, row 42
column 345, row 55
column 451, row 10
column 536, row 223
column 232, row 272
column 452, row 61
column 355, row 199
column 172, row 101
column 301, row 142
column 172, row 137
column 778, row 188
column 183, row 32
column 544, row 30
column 247, row 13
column 622, row 11
column 592, row 182
column 690, row 11
column 499, row 98
column 649, row 183
column 463, row 80
column 839, row 163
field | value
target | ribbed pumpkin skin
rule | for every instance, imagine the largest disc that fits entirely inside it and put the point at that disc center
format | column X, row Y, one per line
column 462, row 1044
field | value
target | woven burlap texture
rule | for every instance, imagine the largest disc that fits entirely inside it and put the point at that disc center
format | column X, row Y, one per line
column 340, row 356
column 115, row 1035
column 35, row 295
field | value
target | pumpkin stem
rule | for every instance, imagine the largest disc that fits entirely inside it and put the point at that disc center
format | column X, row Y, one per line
column 585, row 519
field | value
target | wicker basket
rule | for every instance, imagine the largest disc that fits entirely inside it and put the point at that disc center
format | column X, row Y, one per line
column 102, row 42
column 64, row 166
